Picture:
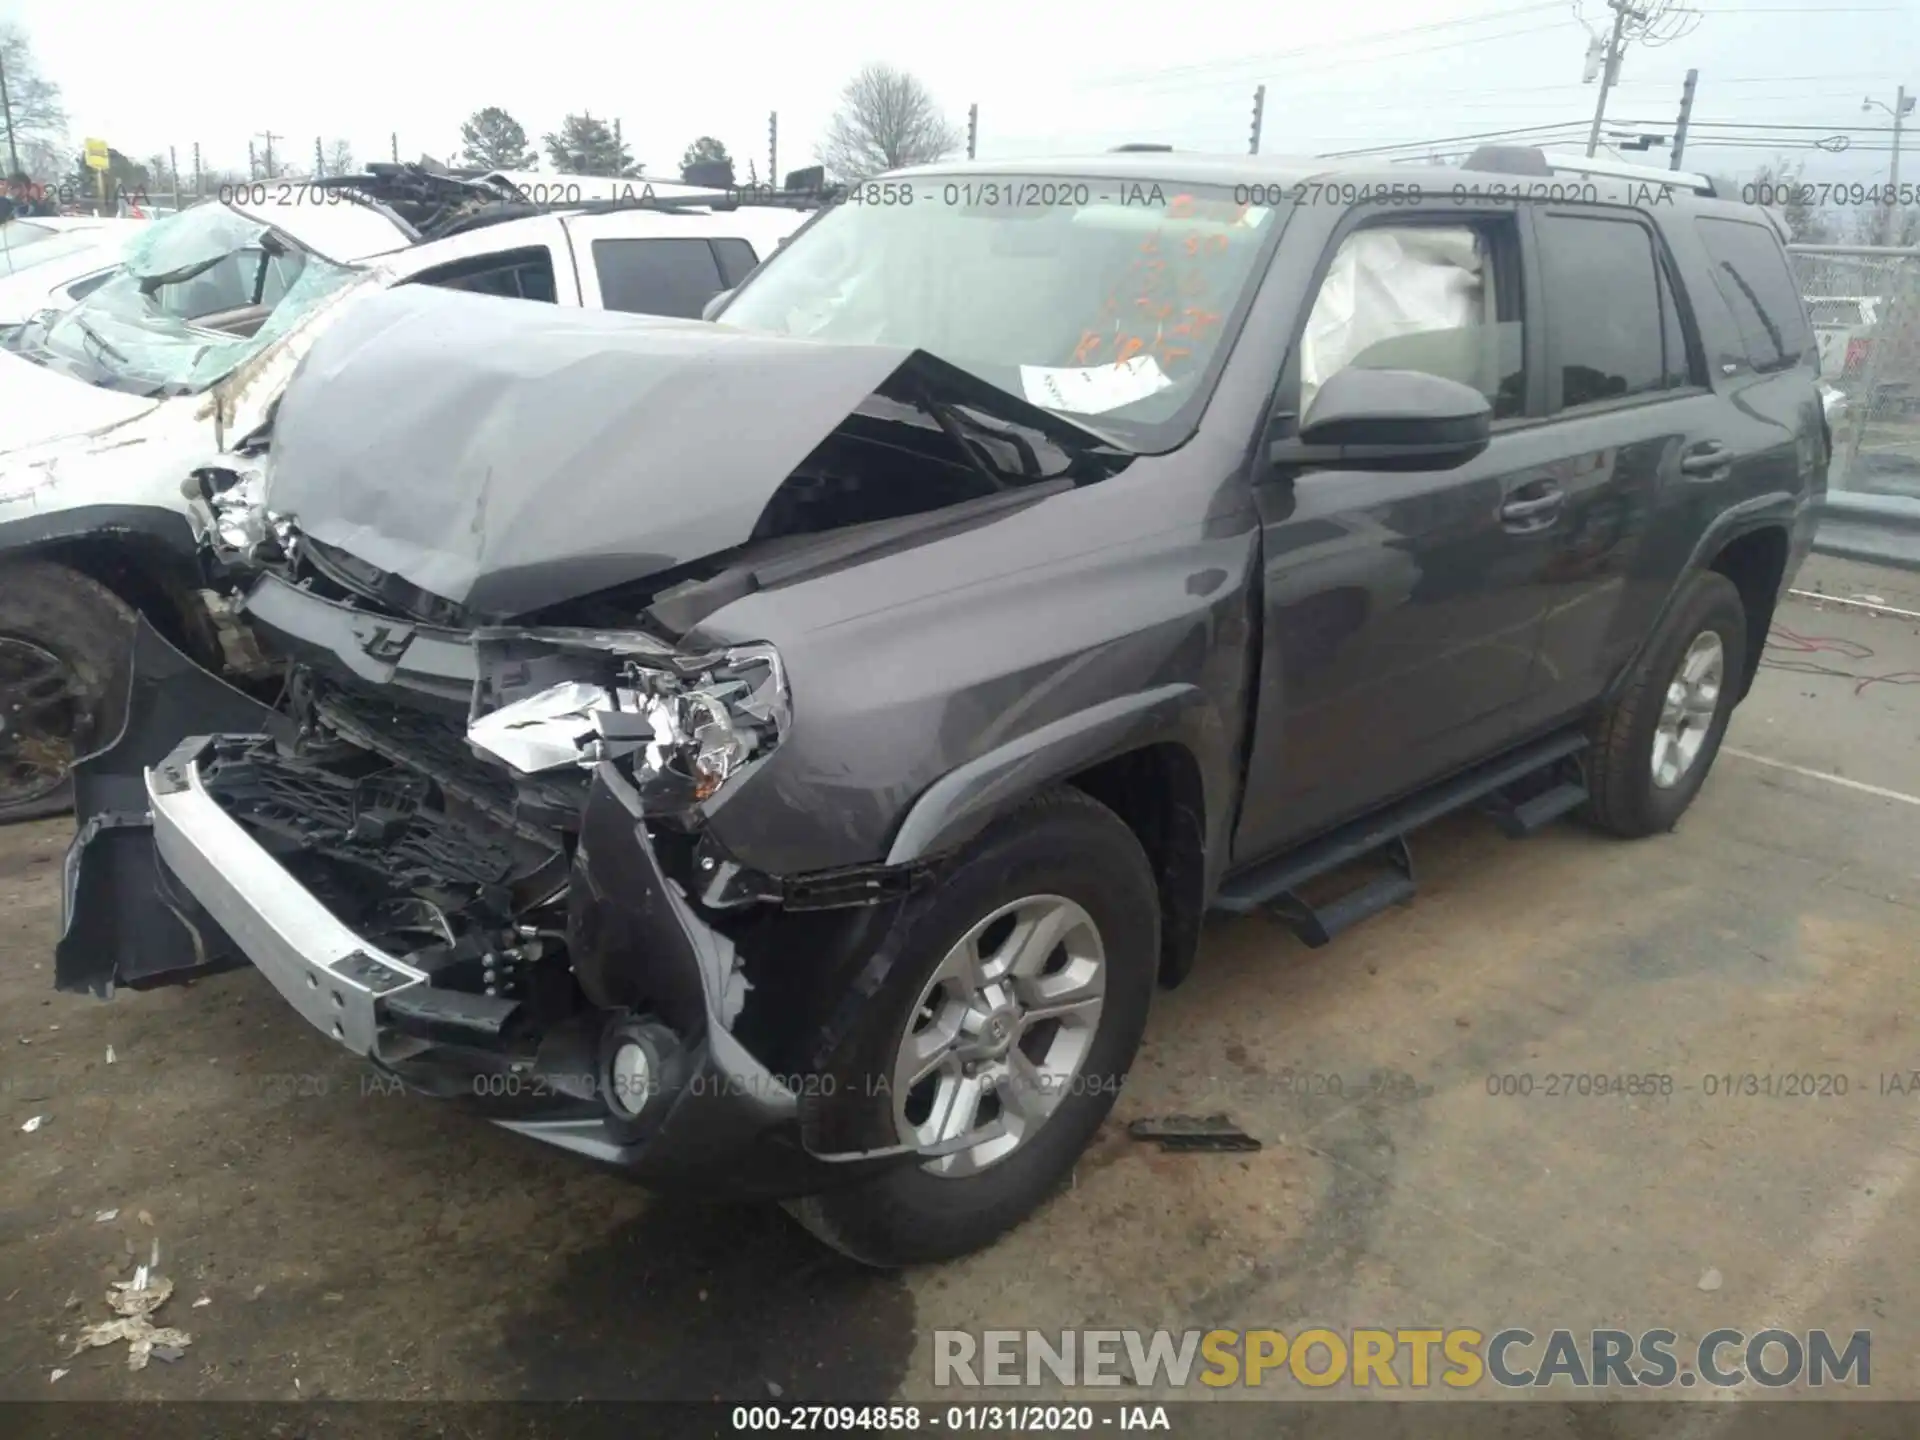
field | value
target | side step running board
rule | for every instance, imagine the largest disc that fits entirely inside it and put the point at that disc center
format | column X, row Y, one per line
column 1317, row 924
column 1275, row 885
column 1517, row 820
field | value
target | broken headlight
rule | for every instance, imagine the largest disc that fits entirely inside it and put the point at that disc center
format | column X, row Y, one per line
column 242, row 528
column 680, row 725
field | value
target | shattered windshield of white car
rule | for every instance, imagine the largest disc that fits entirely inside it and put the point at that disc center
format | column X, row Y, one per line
column 195, row 296
column 1103, row 299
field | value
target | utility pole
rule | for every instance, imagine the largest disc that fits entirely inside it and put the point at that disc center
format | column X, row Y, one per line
column 973, row 129
column 6, row 108
column 319, row 165
column 1686, row 114
column 253, row 162
column 173, row 168
column 1609, row 72
column 199, row 184
column 773, row 149
column 270, row 137
column 1259, row 108
column 393, row 139
column 1902, row 103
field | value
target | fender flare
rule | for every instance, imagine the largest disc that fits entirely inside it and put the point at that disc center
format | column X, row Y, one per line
column 169, row 531
column 964, row 801
column 160, row 549
column 1776, row 508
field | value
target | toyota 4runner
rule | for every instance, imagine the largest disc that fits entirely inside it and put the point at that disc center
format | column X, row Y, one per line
column 781, row 757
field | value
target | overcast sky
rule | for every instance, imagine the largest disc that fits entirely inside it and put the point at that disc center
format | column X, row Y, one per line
column 1066, row 75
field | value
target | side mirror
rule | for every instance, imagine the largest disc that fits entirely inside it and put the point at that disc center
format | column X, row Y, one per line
column 1389, row 420
column 715, row 305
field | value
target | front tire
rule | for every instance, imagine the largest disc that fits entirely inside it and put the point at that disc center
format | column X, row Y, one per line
column 64, row 642
column 1012, row 1002
column 1655, row 743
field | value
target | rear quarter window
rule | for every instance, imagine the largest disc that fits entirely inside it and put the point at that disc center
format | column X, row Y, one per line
column 736, row 259
column 1750, row 270
column 657, row 277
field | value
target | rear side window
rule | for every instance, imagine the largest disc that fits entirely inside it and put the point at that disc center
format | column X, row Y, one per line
column 657, row 277
column 736, row 259
column 1753, row 277
column 515, row 274
column 1608, row 338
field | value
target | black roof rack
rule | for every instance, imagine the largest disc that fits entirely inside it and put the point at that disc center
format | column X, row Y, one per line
column 433, row 201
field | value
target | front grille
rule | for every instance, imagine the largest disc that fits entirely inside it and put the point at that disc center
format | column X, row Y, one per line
column 433, row 744
column 386, row 820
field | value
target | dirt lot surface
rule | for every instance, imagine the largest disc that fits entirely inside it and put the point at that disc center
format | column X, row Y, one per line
column 353, row 1244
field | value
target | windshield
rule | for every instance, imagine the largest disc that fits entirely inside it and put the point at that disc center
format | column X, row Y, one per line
column 1093, row 298
column 197, row 294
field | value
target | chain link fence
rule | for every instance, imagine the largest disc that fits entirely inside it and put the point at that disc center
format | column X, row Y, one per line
column 1865, row 306
column 1864, row 302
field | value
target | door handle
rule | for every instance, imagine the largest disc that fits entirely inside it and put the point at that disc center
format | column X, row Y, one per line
column 1533, row 513
column 1709, row 459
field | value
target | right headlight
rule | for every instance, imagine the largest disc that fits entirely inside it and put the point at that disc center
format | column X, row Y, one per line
column 680, row 725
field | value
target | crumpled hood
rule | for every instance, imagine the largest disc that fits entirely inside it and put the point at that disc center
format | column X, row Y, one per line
column 39, row 404
column 506, row 455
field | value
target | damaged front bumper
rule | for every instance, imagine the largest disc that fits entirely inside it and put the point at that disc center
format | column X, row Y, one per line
column 647, row 1076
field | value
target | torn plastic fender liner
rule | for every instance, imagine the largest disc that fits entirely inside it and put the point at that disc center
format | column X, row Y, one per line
column 123, row 920
column 635, row 943
column 638, row 947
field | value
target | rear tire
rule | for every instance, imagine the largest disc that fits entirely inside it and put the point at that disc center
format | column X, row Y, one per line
column 64, row 642
column 1065, row 860
column 1654, row 744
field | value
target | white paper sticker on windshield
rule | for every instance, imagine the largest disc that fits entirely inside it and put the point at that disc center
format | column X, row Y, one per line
column 1093, row 389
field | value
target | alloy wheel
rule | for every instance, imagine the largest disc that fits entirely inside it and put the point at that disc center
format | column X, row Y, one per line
column 999, row 1035
column 1693, row 695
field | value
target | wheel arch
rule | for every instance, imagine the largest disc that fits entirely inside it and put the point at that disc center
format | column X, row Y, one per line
column 1750, row 544
column 1156, row 759
column 1755, row 560
column 147, row 558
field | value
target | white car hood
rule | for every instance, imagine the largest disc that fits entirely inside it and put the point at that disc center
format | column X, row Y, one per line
column 38, row 405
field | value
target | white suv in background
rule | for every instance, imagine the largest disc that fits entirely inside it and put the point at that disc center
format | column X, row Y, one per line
column 48, row 263
column 177, row 358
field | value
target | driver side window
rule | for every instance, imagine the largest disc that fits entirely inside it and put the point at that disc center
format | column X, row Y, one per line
column 1440, row 299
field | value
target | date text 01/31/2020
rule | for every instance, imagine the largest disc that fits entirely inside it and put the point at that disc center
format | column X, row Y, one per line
column 1774, row 1085
column 956, row 1419
column 1016, row 194
column 537, row 1085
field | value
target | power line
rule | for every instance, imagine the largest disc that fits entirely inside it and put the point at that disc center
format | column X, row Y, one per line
column 1769, row 126
column 1402, row 33
column 1809, row 10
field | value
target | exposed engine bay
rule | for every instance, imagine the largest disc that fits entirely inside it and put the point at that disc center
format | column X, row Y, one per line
column 468, row 822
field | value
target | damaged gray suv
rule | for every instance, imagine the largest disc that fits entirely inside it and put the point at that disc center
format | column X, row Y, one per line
column 781, row 757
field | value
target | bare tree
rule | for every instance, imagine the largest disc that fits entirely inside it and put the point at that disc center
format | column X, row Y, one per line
column 39, row 119
column 340, row 159
column 886, row 119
